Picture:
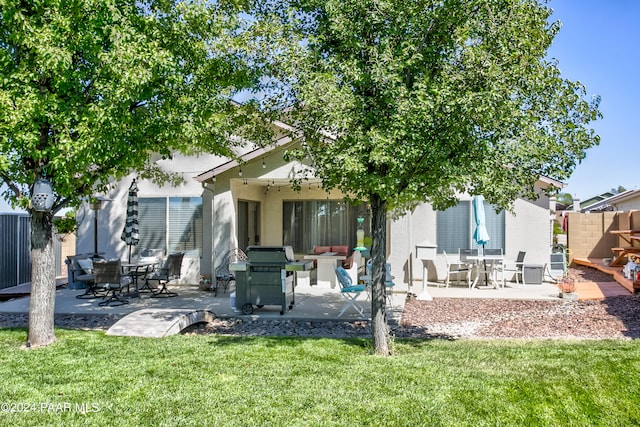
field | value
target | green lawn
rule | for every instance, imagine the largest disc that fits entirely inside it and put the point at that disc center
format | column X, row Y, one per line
column 211, row 380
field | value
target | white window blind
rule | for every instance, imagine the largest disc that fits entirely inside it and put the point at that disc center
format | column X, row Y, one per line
column 152, row 220
column 171, row 224
column 453, row 228
column 185, row 225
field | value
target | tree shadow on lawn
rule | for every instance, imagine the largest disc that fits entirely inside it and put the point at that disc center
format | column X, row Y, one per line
column 625, row 309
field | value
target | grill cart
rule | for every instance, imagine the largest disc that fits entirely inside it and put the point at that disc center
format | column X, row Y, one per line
column 266, row 278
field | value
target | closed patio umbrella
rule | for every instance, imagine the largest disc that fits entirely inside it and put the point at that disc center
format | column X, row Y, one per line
column 480, row 235
column 131, row 234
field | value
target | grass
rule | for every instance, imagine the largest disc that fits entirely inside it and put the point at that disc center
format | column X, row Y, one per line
column 89, row 378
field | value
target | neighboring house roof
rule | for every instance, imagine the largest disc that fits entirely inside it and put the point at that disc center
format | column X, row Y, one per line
column 609, row 203
column 584, row 204
column 553, row 182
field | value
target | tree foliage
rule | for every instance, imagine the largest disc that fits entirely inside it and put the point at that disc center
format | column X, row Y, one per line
column 408, row 102
column 90, row 88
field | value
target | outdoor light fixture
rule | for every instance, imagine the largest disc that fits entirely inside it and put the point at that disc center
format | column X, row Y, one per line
column 42, row 197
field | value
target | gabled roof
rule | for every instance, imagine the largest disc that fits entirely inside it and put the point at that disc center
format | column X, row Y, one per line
column 256, row 153
column 248, row 156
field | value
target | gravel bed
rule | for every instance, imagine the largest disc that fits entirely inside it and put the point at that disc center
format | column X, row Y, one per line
column 449, row 318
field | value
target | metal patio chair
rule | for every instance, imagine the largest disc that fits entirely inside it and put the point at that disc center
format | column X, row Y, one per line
column 171, row 270
column 224, row 276
column 107, row 275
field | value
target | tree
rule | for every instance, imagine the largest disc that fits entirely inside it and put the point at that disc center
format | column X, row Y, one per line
column 618, row 190
column 405, row 102
column 565, row 198
column 89, row 88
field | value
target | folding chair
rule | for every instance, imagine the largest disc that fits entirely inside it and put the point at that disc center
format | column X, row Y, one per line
column 388, row 281
column 349, row 291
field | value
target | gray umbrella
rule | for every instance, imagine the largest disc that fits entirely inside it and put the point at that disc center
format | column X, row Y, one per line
column 131, row 234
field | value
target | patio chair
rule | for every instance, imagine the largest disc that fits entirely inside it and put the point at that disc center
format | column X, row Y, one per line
column 224, row 276
column 107, row 275
column 149, row 261
column 516, row 267
column 349, row 291
column 171, row 270
column 456, row 268
column 82, row 272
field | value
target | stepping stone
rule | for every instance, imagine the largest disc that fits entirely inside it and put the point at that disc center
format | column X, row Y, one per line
column 158, row 323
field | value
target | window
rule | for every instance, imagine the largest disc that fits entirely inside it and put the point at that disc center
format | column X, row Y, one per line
column 173, row 224
column 455, row 228
column 321, row 222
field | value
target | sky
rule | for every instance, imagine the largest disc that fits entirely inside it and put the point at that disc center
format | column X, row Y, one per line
column 599, row 45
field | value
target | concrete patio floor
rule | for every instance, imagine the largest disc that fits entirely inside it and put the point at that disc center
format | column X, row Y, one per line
column 311, row 303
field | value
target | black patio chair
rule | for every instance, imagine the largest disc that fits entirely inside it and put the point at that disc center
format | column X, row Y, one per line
column 171, row 270
column 107, row 275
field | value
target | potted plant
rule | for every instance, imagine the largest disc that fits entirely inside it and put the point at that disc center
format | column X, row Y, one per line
column 568, row 288
column 205, row 283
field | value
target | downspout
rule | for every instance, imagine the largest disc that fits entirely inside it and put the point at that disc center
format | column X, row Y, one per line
column 211, row 188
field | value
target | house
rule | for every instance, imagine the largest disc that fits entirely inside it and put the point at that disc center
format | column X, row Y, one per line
column 252, row 203
column 625, row 201
column 171, row 218
column 226, row 204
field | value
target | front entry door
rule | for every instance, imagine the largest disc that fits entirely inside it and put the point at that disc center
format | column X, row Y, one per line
column 248, row 224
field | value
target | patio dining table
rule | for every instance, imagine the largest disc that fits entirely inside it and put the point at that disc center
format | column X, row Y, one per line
column 327, row 263
column 479, row 261
column 139, row 270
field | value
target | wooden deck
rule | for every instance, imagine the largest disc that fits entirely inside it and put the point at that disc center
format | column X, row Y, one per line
column 24, row 289
column 614, row 271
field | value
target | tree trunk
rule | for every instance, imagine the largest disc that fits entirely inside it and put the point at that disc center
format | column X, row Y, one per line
column 379, row 327
column 43, row 281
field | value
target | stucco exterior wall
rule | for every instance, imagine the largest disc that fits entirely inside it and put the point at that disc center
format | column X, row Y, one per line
column 627, row 205
column 111, row 217
column 527, row 229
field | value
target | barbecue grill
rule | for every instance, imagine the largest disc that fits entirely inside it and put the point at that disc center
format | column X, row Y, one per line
column 267, row 278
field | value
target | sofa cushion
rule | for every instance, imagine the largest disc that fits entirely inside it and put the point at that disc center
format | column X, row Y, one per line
column 321, row 249
column 341, row 250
